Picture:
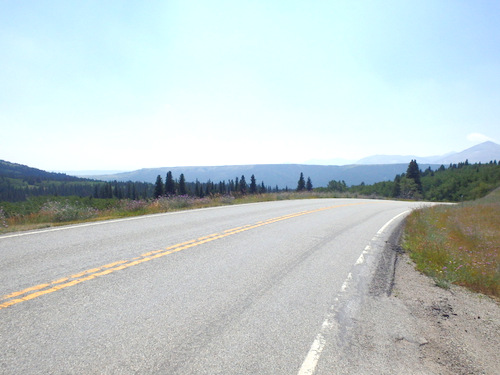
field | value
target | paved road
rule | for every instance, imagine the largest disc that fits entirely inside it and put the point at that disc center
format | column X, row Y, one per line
column 247, row 289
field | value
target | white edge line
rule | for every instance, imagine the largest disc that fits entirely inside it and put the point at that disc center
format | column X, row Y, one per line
column 384, row 227
column 67, row 227
column 311, row 361
column 103, row 222
column 309, row 365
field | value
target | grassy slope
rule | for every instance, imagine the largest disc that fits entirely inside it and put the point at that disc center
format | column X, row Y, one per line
column 458, row 243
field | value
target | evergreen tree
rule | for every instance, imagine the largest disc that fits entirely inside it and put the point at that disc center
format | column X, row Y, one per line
column 413, row 173
column 134, row 192
column 262, row 188
column 253, row 185
column 301, row 185
column 198, row 191
column 182, row 185
column 309, row 185
column 169, row 184
column 158, row 192
column 396, row 190
column 243, row 185
column 208, row 187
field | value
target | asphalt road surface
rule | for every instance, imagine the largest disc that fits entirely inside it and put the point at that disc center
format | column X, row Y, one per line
column 252, row 289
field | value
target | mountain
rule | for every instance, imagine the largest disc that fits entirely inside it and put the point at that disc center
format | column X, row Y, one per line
column 481, row 153
column 368, row 170
column 335, row 161
column 484, row 153
column 283, row 175
column 397, row 159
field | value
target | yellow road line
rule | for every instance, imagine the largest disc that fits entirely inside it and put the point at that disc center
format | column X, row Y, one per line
column 92, row 273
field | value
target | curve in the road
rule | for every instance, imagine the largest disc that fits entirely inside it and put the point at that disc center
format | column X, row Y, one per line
column 54, row 286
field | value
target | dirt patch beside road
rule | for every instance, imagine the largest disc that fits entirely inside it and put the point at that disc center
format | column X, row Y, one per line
column 459, row 331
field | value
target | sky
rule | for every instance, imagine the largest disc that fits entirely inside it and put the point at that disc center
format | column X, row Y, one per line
column 124, row 85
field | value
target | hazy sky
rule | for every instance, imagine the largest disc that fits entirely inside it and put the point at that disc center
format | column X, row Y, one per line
column 132, row 84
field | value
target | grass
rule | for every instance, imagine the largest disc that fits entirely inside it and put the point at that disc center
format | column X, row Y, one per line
column 458, row 244
column 53, row 211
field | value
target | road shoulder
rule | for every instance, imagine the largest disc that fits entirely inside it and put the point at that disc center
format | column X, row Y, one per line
column 408, row 325
column 461, row 329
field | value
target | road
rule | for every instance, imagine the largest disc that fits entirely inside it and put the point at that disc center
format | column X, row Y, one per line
column 249, row 289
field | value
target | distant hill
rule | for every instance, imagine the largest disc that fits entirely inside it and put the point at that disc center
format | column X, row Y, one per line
column 283, row 175
column 19, row 171
column 481, row 153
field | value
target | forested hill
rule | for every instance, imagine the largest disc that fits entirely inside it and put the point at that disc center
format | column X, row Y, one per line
column 19, row 171
column 19, row 182
column 282, row 175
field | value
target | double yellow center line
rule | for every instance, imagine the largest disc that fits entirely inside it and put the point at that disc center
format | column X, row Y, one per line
column 53, row 286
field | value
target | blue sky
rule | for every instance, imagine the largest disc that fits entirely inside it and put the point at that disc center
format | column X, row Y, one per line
column 125, row 85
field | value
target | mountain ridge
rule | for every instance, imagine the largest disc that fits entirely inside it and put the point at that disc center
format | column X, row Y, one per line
column 480, row 153
column 282, row 175
column 287, row 175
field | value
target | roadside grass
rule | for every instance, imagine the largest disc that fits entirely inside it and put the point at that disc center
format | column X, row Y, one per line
column 43, row 212
column 458, row 244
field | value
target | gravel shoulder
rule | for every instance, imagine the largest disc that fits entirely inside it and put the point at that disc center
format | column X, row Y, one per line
column 408, row 325
column 459, row 329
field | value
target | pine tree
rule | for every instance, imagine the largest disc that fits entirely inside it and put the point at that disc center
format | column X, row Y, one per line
column 169, row 184
column 301, row 185
column 309, row 185
column 262, row 189
column 396, row 191
column 253, row 185
column 182, row 185
column 413, row 173
column 243, row 185
column 158, row 192
column 198, row 191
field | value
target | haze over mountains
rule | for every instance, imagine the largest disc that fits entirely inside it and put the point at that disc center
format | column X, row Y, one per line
column 481, row 153
column 368, row 170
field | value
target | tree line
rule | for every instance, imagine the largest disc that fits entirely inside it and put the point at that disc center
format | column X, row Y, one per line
column 458, row 182
column 237, row 186
column 18, row 187
column 16, row 190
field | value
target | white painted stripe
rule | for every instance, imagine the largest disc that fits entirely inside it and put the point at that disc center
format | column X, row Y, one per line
column 103, row 222
column 381, row 230
column 346, row 283
column 361, row 259
column 309, row 365
column 311, row 361
column 76, row 226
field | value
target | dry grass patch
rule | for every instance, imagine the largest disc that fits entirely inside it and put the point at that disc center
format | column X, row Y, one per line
column 458, row 244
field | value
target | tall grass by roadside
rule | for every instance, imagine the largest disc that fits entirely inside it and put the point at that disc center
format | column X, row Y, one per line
column 458, row 244
column 42, row 212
